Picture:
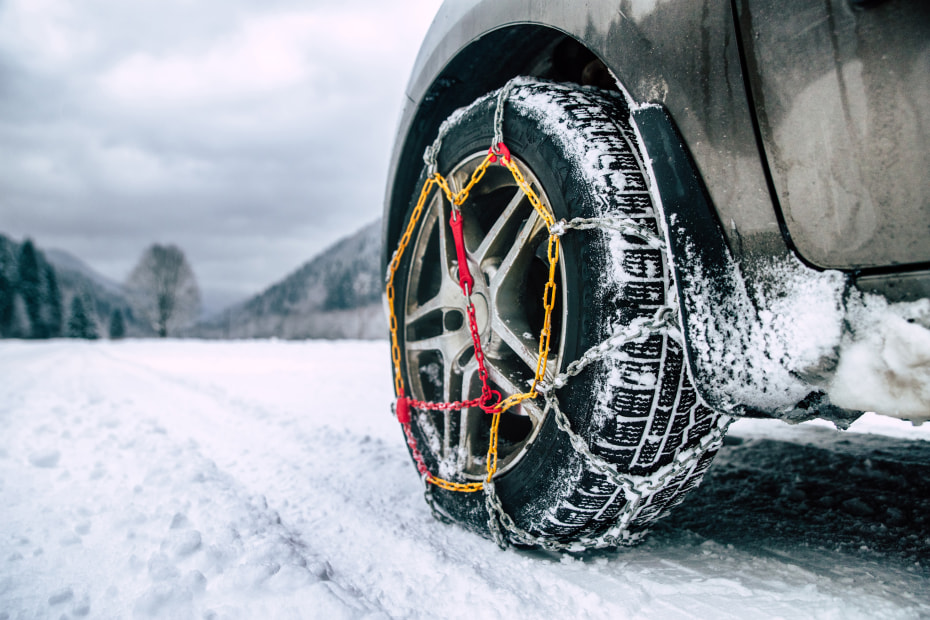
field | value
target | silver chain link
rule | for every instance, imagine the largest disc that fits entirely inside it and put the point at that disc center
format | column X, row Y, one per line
column 622, row 225
column 636, row 489
column 665, row 317
column 502, row 96
column 431, row 154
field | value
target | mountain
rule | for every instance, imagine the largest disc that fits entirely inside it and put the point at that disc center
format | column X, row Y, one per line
column 65, row 261
column 105, row 295
column 335, row 295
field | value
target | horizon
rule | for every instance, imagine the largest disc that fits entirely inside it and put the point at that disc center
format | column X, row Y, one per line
column 206, row 312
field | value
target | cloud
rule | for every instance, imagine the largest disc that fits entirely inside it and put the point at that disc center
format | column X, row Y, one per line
column 251, row 134
column 265, row 55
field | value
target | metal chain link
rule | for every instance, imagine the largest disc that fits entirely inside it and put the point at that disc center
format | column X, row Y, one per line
column 431, row 154
column 636, row 489
column 665, row 317
column 623, row 225
column 502, row 95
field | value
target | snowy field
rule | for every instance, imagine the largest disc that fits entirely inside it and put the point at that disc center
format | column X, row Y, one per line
column 186, row 479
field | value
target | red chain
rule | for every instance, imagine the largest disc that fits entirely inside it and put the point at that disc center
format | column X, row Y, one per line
column 431, row 406
column 490, row 400
column 417, row 457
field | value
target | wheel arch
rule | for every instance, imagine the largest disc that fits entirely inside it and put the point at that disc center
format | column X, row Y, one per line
column 679, row 54
column 685, row 87
column 483, row 65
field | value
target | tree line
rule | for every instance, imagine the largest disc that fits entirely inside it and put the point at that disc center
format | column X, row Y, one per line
column 161, row 290
column 31, row 300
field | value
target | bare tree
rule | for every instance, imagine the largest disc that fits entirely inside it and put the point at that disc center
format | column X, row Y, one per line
column 163, row 289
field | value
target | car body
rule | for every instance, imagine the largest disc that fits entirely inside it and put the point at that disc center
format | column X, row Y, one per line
column 789, row 131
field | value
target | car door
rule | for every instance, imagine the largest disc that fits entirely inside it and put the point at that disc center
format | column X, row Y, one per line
column 841, row 90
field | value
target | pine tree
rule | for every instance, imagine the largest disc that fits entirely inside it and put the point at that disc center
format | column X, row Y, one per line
column 7, row 289
column 53, row 304
column 117, row 325
column 30, row 288
column 19, row 319
column 79, row 324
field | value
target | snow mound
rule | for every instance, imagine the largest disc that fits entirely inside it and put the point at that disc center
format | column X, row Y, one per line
column 884, row 365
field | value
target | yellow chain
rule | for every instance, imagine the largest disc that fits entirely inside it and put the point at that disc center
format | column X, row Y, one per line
column 549, row 293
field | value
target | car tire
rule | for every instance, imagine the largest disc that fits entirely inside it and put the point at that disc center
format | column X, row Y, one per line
column 635, row 408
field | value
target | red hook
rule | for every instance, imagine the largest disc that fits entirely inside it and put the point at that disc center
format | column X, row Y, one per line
column 501, row 151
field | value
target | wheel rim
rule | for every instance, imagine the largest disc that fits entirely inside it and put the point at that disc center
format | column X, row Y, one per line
column 506, row 244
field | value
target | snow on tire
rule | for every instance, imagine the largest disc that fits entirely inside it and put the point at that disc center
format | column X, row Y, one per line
column 635, row 409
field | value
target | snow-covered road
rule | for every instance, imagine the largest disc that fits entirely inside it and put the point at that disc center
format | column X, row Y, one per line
column 268, row 480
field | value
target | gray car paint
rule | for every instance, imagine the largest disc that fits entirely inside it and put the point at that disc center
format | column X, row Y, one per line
column 685, row 55
column 843, row 102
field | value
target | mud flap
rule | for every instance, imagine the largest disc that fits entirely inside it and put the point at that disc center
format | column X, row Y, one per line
column 698, row 246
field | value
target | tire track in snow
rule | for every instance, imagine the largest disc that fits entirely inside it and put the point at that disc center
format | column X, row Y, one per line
column 340, row 492
column 169, row 534
column 375, row 528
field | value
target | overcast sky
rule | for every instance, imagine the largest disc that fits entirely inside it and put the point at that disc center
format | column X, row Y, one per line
column 250, row 134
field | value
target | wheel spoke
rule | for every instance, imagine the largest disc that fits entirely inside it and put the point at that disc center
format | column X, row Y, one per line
column 524, row 344
column 450, row 344
column 508, row 319
column 503, row 237
column 517, row 256
column 449, row 297
column 498, row 235
column 436, row 303
column 446, row 247
column 469, row 377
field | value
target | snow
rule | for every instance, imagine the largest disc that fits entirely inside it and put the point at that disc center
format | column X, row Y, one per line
column 887, row 367
column 771, row 340
column 185, row 479
column 762, row 341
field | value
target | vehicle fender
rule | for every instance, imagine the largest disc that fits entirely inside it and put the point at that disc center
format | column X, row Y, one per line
column 697, row 245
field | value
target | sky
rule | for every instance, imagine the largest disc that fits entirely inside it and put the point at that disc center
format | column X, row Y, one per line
column 250, row 134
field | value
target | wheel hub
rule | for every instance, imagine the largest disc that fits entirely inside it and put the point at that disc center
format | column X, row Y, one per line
column 481, row 314
column 505, row 242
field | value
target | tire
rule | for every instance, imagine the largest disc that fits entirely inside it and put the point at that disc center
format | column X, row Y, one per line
column 636, row 409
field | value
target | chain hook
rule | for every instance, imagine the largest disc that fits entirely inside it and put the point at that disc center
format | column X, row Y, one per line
column 499, row 150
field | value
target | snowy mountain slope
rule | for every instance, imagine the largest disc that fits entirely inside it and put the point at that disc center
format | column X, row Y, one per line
column 65, row 261
column 337, row 294
column 268, row 479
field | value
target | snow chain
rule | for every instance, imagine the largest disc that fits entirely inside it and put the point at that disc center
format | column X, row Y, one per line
column 636, row 489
